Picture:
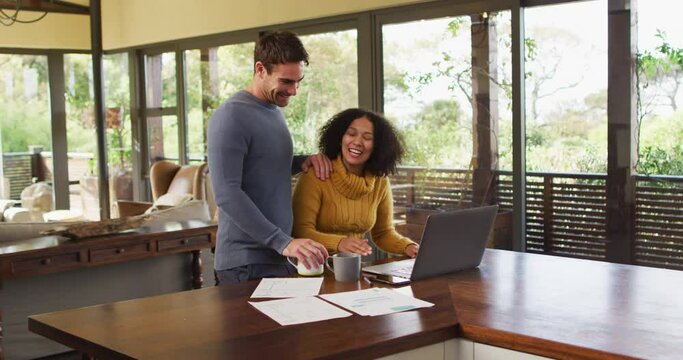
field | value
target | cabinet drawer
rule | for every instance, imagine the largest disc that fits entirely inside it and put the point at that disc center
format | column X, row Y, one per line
column 192, row 242
column 45, row 263
column 120, row 252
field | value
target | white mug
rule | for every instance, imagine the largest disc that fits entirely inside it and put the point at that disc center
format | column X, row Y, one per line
column 301, row 269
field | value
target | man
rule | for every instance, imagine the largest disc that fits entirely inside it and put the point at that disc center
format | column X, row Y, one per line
column 250, row 161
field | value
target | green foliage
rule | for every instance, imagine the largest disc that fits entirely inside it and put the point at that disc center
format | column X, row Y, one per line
column 531, row 47
column 660, row 161
column 25, row 109
column 667, row 61
column 455, row 25
column 330, row 86
column 660, row 74
column 23, row 126
column 441, row 136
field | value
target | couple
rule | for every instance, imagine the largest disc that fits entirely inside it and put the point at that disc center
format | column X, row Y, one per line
column 251, row 162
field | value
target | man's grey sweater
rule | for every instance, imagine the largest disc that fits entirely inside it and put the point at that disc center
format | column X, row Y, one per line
column 250, row 162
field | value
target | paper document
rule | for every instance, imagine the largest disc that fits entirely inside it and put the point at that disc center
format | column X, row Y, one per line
column 375, row 301
column 299, row 310
column 287, row 287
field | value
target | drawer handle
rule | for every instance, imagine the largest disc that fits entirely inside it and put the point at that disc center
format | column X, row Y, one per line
column 46, row 261
column 184, row 241
column 120, row 250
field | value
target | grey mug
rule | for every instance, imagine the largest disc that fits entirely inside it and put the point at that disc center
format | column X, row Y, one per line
column 345, row 266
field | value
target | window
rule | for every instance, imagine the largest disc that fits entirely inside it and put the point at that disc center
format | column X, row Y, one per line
column 25, row 128
column 660, row 88
column 162, row 120
column 81, row 135
column 447, row 89
column 566, row 129
column 119, row 147
column 213, row 76
column 566, row 85
column 427, row 89
column 330, row 86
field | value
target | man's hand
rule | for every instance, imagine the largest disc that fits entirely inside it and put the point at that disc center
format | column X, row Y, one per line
column 320, row 163
column 354, row 245
column 412, row 249
column 307, row 251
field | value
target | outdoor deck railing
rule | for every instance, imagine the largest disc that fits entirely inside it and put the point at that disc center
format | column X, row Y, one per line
column 659, row 221
column 565, row 213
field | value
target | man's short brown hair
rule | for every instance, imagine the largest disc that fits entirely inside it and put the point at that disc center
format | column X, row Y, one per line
column 279, row 47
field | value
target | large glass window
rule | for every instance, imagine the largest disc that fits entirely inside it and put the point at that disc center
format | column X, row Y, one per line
column 25, row 128
column 330, row 86
column 162, row 122
column 81, row 135
column 566, row 128
column 659, row 229
column 660, row 89
column 447, row 89
column 566, row 84
column 427, row 89
column 119, row 146
column 213, row 76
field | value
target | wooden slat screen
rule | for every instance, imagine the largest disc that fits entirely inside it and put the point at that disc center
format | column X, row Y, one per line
column 565, row 213
column 571, row 213
column 659, row 222
column 17, row 168
column 431, row 188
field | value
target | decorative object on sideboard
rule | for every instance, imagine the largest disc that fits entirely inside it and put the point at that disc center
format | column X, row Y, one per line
column 83, row 230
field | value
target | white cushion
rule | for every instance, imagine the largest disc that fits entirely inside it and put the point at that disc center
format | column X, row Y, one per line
column 4, row 205
column 173, row 199
column 20, row 214
column 170, row 199
column 191, row 210
column 37, row 197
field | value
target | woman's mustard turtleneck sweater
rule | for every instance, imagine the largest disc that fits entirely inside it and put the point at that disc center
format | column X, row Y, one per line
column 346, row 205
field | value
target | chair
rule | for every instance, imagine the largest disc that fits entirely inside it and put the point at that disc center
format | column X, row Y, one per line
column 170, row 178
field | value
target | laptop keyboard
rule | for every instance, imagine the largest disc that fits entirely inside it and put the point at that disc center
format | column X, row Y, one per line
column 403, row 272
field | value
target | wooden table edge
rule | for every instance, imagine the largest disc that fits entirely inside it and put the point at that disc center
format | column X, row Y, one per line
column 72, row 341
column 398, row 345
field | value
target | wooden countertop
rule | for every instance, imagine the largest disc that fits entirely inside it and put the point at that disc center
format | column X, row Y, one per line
column 571, row 308
column 551, row 306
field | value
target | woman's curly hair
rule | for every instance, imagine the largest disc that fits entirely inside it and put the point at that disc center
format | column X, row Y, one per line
column 387, row 149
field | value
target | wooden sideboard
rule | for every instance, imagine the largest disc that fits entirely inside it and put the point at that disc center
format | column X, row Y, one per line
column 50, row 255
column 514, row 303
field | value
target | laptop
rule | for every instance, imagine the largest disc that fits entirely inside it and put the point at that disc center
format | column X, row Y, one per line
column 451, row 241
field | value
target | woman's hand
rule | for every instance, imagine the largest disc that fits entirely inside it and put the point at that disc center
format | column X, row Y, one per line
column 412, row 249
column 354, row 245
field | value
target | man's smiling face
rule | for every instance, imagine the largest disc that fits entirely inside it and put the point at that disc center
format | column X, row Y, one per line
column 282, row 82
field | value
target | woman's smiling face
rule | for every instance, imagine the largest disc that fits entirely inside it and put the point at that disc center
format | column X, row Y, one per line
column 357, row 144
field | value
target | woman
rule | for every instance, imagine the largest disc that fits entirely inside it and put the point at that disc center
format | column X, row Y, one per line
column 356, row 199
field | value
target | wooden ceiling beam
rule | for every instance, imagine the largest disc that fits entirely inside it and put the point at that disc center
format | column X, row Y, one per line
column 55, row 6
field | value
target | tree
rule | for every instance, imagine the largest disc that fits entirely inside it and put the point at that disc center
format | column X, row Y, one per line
column 441, row 136
column 545, row 58
column 659, row 73
column 24, row 104
column 330, row 86
column 659, row 76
